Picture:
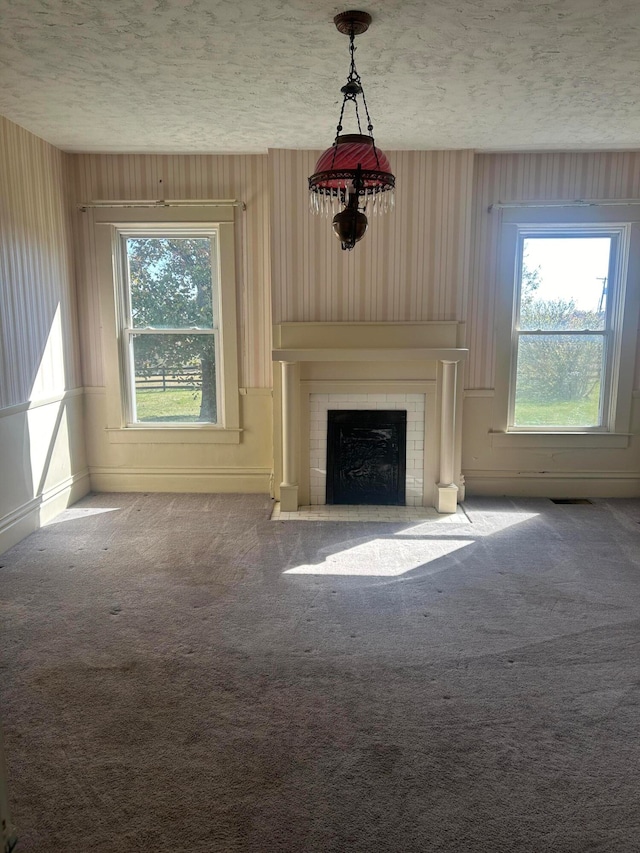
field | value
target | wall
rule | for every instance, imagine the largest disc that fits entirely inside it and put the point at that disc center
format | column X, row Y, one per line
column 42, row 459
column 436, row 258
column 171, row 463
column 559, row 469
column 411, row 265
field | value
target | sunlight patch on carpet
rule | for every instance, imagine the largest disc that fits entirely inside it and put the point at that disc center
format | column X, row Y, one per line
column 385, row 558
column 82, row 512
column 497, row 520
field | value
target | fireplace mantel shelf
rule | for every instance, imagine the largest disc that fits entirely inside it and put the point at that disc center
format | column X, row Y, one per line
column 371, row 354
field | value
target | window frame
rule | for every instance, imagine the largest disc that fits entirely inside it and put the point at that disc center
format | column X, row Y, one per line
column 610, row 332
column 191, row 221
column 622, row 224
column 128, row 331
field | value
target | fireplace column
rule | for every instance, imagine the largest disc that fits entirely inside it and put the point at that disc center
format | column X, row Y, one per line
column 289, row 485
column 446, row 489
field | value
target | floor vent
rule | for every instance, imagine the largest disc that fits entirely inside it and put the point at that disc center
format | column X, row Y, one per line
column 571, row 501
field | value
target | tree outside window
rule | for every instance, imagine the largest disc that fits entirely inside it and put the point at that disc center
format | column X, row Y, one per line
column 171, row 328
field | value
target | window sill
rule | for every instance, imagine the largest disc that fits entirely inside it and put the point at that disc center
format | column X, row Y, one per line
column 180, row 434
column 569, row 440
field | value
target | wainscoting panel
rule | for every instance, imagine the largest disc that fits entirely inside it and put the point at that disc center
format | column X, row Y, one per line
column 43, row 466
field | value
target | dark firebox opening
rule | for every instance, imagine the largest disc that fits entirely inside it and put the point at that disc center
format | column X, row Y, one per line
column 366, row 457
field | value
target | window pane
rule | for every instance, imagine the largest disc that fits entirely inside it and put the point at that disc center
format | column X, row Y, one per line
column 170, row 282
column 175, row 378
column 559, row 380
column 564, row 283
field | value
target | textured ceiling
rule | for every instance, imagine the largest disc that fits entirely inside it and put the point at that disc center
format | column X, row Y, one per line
column 247, row 75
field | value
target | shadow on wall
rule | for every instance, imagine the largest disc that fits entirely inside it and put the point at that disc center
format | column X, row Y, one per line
column 41, row 432
column 39, row 446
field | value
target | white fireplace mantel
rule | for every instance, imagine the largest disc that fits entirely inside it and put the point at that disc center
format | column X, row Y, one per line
column 452, row 354
column 386, row 357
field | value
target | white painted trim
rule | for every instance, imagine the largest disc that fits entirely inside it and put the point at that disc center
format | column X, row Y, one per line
column 506, row 205
column 384, row 335
column 492, row 474
column 113, row 315
column 182, row 480
column 371, row 354
column 196, row 215
column 375, row 386
column 169, row 434
column 400, row 324
column 573, row 440
column 27, row 518
column 562, row 484
column 623, row 348
column 182, row 472
column 479, row 392
column 36, row 404
column 99, row 204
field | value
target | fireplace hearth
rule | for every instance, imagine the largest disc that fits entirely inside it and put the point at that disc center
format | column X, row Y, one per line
column 366, row 457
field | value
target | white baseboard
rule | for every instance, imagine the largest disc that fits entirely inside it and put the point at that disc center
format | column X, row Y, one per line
column 31, row 515
column 559, row 484
column 201, row 480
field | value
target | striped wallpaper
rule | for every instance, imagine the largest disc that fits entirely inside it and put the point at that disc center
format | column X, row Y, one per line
column 411, row 265
column 146, row 176
column 433, row 258
column 38, row 351
column 528, row 177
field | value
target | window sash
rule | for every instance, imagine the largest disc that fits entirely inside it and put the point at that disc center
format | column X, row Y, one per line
column 623, row 221
column 181, row 330
column 129, row 332
column 608, row 333
column 577, row 332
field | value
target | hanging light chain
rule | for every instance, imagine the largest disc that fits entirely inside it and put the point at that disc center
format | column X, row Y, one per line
column 362, row 182
column 354, row 77
column 351, row 90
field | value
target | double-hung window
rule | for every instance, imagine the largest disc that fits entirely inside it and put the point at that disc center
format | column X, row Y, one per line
column 172, row 364
column 566, row 322
column 171, row 326
column 564, row 328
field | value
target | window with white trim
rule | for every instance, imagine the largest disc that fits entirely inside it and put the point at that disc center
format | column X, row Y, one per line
column 170, row 332
column 567, row 320
column 566, row 311
column 176, row 325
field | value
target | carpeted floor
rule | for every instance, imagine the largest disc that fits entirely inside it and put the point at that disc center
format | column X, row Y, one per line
column 180, row 673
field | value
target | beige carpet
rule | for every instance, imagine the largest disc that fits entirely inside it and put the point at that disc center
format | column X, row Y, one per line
column 180, row 673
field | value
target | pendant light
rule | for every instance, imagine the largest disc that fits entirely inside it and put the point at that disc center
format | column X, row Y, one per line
column 352, row 174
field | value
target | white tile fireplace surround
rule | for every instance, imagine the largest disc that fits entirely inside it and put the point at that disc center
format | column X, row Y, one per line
column 412, row 404
column 369, row 366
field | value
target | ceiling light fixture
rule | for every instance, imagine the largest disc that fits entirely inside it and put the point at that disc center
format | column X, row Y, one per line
column 353, row 173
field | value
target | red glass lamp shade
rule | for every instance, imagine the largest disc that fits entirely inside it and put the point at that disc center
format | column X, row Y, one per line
column 332, row 181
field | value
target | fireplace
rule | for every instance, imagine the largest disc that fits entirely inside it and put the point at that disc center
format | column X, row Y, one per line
column 412, row 367
column 411, row 405
column 366, row 457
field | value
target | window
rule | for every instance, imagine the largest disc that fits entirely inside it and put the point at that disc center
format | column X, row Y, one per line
column 171, row 327
column 566, row 321
column 171, row 359
column 564, row 329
